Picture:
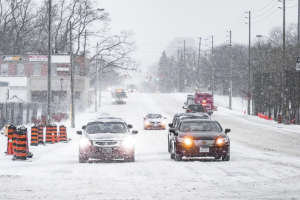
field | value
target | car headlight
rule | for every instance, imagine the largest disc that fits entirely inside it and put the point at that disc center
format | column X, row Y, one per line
column 84, row 142
column 163, row 122
column 147, row 122
column 124, row 99
column 128, row 142
column 186, row 141
column 221, row 141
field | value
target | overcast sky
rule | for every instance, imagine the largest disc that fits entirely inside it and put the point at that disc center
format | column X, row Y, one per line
column 156, row 23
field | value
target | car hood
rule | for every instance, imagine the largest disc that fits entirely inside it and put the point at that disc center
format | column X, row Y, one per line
column 202, row 135
column 107, row 136
column 155, row 120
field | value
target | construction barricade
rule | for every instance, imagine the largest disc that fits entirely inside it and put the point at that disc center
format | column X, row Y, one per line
column 63, row 134
column 34, row 136
column 49, row 134
column 10, row 132
column 54, row 133
column 21, row 148
column 40, row 134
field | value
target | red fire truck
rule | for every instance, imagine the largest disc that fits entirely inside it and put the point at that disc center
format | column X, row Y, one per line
column 206, row 99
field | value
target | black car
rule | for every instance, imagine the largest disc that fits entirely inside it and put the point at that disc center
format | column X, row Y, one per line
column 195, row 108
column 183, row 116
column 106, row 139
column 200, row 138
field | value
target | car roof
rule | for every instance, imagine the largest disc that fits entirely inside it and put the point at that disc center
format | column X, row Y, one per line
column 107, row 119
column 189, row 114
column 198, row 120
column 154, row 114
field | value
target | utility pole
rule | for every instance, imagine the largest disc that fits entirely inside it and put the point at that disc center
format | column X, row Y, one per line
column 178, row 78
column 213, row 67
column 49, row 96
column 72, row 79
column 197, row 79
column 96, row 84
column 298, row 41
column 249, row 66
column 284, row 67
column 230, row 76
column 100, row 84
column 184, row 65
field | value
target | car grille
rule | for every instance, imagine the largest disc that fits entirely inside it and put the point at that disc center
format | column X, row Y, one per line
column 155, row 122
column 106, row 143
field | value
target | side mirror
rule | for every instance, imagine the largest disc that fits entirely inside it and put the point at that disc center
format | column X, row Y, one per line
column 227, row 130
column 184, row 107
column 172, row 130
column 165, row 118
column 170, row 125
column 79, row 132
column 144, row 118
column 129, row 126
column 83, row 127
column 176, row 134
column 134, row 132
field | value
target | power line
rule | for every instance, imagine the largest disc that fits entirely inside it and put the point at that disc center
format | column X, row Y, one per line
column 238, row 31
column 265, row 17
column 263, row 7
column 266, row 11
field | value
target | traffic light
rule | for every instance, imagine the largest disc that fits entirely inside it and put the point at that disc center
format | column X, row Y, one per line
column 125, row 76
column 162, row 77
column 157, row 79
column 146, row 78
column 150, row 78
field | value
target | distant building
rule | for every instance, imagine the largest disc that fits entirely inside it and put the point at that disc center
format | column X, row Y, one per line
column 27, row 78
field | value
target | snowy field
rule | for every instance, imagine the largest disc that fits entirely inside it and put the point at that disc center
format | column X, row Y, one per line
column 264, row 161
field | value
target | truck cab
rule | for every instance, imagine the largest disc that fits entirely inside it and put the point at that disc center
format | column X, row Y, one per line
column 206, row 100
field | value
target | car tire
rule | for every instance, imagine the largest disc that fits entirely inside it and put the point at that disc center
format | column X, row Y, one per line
column 172, row 155
column 178, row 157
column 82, row 159
column 226, row 157
column 131, row 158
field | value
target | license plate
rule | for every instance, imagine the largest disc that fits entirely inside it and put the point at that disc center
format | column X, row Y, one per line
column 204, row 150
column 106, row 150
column 155, row 125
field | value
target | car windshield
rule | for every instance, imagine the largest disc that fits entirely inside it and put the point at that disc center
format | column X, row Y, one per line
column 154, row 116
column 120, row 94
column 106, row 127
column 200, row 126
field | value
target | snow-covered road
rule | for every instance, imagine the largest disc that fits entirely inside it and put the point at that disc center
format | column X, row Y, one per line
column 264, row 162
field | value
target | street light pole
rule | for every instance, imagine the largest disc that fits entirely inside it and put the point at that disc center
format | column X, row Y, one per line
column 249, row 65
column 72, row 80
column 96, row 84
column 284, row 67
column 49, row 96
column 230, row 78
column 213, row 66
column 100, row 82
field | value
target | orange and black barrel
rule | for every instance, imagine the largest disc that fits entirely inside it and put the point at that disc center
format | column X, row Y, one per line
column 24, row 129
column 63, row 133
column 40, row 134
column 10, row 134
column 34, row 136
column 14, row 142
column 49, row 134
column 21, row 149
column 54, row 132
